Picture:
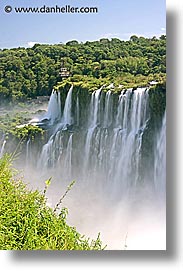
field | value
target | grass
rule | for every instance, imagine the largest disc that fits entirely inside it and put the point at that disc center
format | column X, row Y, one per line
column 27, row 223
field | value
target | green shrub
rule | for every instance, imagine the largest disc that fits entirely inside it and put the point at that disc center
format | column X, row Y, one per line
column 27, row 223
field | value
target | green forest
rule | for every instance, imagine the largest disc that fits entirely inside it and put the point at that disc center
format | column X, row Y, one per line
column 30, row 72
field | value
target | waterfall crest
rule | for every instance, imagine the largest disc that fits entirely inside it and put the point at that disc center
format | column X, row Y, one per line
column 67, row 115
column 54, row 107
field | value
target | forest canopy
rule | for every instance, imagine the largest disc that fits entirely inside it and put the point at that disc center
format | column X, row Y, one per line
column 31, row 72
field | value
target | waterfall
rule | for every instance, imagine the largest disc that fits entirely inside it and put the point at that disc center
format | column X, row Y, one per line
column 160, row 159
column 93, row 121
column 47, row 154
column 110, row 145
column 77, row 111
column 67, row 115
column 94, row 109
column 2, row 148
column 28, row 151
column 53, row 113
column 134, row 115
column 108, row 110
column 68, row 157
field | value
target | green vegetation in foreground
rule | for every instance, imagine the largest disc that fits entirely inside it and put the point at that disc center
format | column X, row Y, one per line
column 31, row 72
column 27, row 223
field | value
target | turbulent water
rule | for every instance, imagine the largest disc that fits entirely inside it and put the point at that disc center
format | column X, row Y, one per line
column 103, row 153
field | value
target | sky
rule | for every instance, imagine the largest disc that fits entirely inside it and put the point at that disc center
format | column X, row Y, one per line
column 115, row 18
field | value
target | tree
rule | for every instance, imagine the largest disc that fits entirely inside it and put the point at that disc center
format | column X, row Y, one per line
column 34, row 71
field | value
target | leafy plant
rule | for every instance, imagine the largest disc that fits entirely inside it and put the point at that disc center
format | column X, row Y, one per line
column 27, row 223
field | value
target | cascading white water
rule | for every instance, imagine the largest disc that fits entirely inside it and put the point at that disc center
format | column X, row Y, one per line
column 2, row 148
column 28, row 151
column 53, row 113
column 92, row 124
column 160, row 159
column 47, row 155
column 68, row 157
column 108, row 110
column 110, row 147
column 77, row 111
column 133, row 117
column 52, row 150
column 67, row 115
column 94, row 109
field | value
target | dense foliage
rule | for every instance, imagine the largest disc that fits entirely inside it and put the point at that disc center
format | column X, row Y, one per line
column 29, row 72
column 27, row 223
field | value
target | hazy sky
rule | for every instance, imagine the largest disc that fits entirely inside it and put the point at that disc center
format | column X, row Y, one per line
column 115, row 18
